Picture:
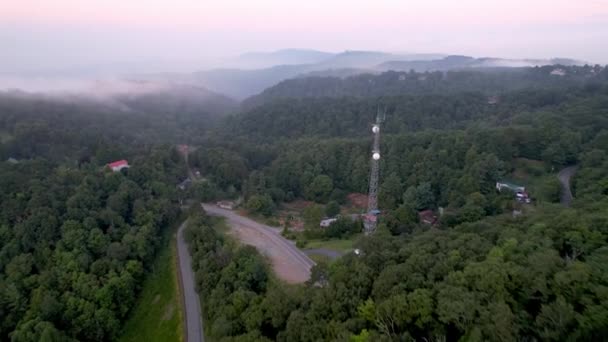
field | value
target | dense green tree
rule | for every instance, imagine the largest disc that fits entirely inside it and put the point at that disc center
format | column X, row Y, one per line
column 312, row 216
column 319, row 188
column 332, row 209
column 390, row 192
column 260, row 204
column 420, row 197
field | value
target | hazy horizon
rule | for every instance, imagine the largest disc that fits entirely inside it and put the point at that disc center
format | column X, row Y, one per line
column 189, row 34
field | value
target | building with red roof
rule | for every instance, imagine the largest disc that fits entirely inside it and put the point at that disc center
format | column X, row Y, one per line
column 118, row 165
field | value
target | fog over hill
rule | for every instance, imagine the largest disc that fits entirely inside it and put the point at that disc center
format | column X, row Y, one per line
column 150, row 96
column 241, row 83
column 251, row 73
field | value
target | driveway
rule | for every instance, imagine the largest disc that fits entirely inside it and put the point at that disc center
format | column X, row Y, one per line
column 564, row 177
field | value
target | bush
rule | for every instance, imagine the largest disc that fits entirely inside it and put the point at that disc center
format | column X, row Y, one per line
column 301, row 243
column 343, row 228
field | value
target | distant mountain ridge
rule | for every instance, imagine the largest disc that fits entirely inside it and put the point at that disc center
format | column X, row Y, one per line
column 488, row 81
column 462, row 62
column 240, row 82
column 261, row 60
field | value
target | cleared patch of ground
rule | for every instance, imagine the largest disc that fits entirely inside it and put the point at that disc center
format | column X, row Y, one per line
column 286, row 267
column 288, row 262
column 357, row 200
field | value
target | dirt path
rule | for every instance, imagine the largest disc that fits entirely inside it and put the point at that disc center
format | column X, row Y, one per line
column 288, row 262
column 564, row 177
column 192, row 304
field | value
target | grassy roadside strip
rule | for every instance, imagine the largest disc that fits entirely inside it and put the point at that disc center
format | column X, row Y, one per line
column 158, row 314
column 338, row 245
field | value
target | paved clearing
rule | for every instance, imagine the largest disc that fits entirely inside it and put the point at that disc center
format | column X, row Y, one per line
column 564, row 177
column 289, row 263
column 192, row 304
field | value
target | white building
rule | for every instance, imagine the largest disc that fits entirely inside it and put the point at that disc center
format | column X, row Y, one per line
column 327, row 222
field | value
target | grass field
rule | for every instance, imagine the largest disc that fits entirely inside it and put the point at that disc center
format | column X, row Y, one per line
column 157, row 315
column 342, row 245
column 320, row 258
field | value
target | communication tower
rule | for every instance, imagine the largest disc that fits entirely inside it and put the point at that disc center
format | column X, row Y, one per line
column 371, row 217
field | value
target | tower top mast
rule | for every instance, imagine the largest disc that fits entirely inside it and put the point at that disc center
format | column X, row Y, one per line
column 371, row 217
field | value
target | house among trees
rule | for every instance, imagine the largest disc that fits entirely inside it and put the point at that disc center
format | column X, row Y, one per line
column 118, row 165
column 520, row 191
column 501, row 185
column 558, row 72
column 522, row 197
column 427, row 217
column 183, row 149
column 228, row 205
column 494, row 99
column 184, row 184
column 327, row 222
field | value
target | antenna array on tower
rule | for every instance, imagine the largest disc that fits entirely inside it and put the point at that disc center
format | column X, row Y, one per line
column 371, row 217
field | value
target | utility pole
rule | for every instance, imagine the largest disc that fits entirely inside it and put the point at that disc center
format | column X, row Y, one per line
column 371, row 218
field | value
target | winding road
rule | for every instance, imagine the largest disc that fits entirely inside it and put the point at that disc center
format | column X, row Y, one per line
column 191, row 301
column 564, row 177
column 289, row 263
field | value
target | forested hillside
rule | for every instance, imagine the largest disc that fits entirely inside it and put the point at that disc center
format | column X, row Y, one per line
column 76, row 243
column 489, row 82
column 79, row 128
column 76, row 239
column 540, row 277
column 457, row 166
column 490, row 268
column 452, row 145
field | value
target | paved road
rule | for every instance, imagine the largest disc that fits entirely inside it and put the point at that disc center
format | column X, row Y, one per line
column 289, row 263
column 192, row 304
column 564, row 177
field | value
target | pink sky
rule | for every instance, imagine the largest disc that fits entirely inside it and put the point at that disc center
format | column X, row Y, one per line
column 118, row 29
column 274, row 14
